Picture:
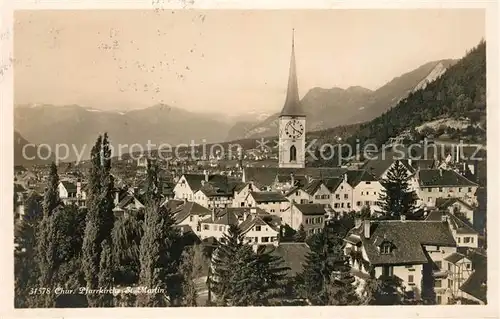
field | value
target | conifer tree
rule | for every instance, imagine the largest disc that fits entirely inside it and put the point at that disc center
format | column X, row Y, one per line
column 194, row 266
column 45, row 236
column 100, row 218
column 300, row 236
column 325, row 278
column 271, row 277
column 158, row 264
column 382, row 291
column 397, row 198
column 106, row 274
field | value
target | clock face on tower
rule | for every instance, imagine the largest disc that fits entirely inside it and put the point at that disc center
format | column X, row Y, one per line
column 294, row 129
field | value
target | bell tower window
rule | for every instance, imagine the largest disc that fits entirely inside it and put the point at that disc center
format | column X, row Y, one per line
column 293, row 153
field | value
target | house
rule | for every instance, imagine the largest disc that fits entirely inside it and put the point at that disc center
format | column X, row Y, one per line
column 456, row 206
column 341, row 193
column 475, row 287
column 440, row 183
column 261, row 229
column 311, row 216
column 298, row 195
column 413, row 251
column 129, row 204
column 240, row 192
column 207, row 190
column 366, row 190
column 459, row 268
column 464, row 234
column 188, row 213
column 271, row 202
column 318, row 192
column 72, row 193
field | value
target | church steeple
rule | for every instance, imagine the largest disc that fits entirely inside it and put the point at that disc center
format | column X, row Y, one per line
column 292, row 105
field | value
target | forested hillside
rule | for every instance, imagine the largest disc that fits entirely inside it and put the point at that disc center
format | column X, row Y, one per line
column 459, row 92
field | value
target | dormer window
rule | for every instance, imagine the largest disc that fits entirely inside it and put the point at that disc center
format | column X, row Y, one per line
column 386, row 248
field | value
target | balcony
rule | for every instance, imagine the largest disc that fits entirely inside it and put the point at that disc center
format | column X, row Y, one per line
column 439, row 273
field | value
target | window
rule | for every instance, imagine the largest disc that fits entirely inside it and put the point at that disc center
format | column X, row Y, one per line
column 257, row 228
column 469, row 190
column 458, row 240
column 317, row 197
column 429, row 189
column 348, row 205
column 438, row 300
column 341, row 186
column 215, row 227
column 367, row 202
column 358, row 203
column 410, row 279
column 385, row 248
column 221, row 228
column 297, row 193
column 460, row 189
column 336, row 205
column 472, row 239
column 429, row 199
column 438, row 264
column 467, row 266
column 293, row 153
column 450, row 283
column 466, row 240
column 342, row 205
column 362, row 193
column 191, row 218
column 256, row 239
column 368, row 183
column 206, row 227
column 437, row 283
column 440, row 189
column 449, row 266
column 265, row 239
column 337, row 196
column 272, row 210
column 346, row 196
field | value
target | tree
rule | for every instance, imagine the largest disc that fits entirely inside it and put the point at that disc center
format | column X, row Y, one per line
column 105, row 277
column 396, row 198
column 325, row 278
column 157, row 251
column 382, row 290
column 45, row 254
column 194, row 266
column 300, row 236
column 126, row 238
column 100, row 217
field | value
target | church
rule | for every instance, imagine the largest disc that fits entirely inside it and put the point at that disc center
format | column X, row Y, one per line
column 292, row 143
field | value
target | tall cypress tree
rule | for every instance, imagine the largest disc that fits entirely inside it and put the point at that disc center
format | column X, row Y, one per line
column 100, row 218
column 45, row 236
column 397, row 198
column 106, row 274
column 158, row 265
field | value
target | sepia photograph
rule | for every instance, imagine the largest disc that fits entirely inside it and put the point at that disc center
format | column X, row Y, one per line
column 236, row 158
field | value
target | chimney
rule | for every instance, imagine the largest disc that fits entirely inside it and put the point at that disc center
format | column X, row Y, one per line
column 366, row 228
column 458, row 154
column 444, row 217
column 345, row 177
column 292, row 179
column 117, row 197
column 357, row 222
column 205, row 172
column 440, row 171
column 403, row 218
column 213, row 214
column 78, row 188
column 253, row 211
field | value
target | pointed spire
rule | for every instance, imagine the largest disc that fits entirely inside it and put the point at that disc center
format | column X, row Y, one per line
column 292, row 103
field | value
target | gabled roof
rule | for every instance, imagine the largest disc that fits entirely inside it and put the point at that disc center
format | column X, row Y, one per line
column 443, row 203
column 312, row 187
column 454, row 258
column 456, row 223
column 333, row 183
column 127, row 200
column 407, row 237
column 266, row 176
column 70, row 187
column 311, row 209
column 260, row 220
column 475, row 285
column 354, row 177
column 294, row 256
column 265, row 197
column 190, row 208
column 441, row 178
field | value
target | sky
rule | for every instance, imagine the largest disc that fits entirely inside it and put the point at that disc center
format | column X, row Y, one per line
column 231, row 61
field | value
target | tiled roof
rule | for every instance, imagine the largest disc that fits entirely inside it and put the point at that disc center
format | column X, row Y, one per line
column 70, row 187
column 407, row 238
column 456, row 223
column 269, row 220
column 446, row 202
column 190, row 208
column 266, row 176
column 454, row 258
column 475, row 285
column 440, row 178
column 294, row 256
column 264, row 197
column 354, row 177
column 312, row 187
column 311, row 209
column 333, row 183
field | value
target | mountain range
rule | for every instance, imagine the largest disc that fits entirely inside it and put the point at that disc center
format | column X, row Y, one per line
column 78, row 126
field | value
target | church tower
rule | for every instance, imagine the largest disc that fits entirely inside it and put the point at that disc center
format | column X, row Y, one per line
column 292, row 123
